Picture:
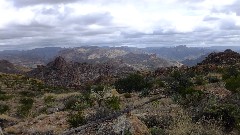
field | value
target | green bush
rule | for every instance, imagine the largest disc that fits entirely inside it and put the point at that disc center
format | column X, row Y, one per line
column 152, row 121
column 233, row 84
column 127, row 95
column 25, row 107
column 213, row 79
column 3, row 108
column 127, row 132
column 98, row 88
column 27, row 93
column 199, row 80
column 159, row 83
column 4, row 97
column 144, row 93
column 227, row 114
column 76, row 120
column 133, row 82
column 157, row 131
column 49, row 99
column 230, row 72
column 179, row 82
column 2, row 92
column 113, row 103
column 74, row 103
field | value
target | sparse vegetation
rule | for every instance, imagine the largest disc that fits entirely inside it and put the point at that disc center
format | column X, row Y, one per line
column 25, row 107
column 76, row 120
column 134, row 82
column 113, row 103
column 127, row 95
column 3, row 108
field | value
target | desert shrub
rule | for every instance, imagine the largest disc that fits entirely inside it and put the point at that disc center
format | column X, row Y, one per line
column 159, row 83
column 230, row 72
column 179, row 81
column 4, row 97
column 213, row 79
column 25, row 107
column 76, row 120
column 199, row 80
column 98, row 88
column 133, row 82
column 157, row 131
column 3, row 108
column 127, row 132
column 49, row 100
column 188, row 97
column 101, row 112
column 27, row 93
column 2, row 92
column 73, row 103
column 113, row 103
column 157, row 121
column 144, row 93
column 227, row 114
column 127, row 95
column 233, row 84
column 78, row 102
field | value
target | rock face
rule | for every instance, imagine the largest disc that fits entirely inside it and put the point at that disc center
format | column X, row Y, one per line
column 228, row 57
column 71, row 74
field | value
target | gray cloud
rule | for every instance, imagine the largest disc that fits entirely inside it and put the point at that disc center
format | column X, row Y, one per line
column 23, row 3
column 228, row 24
column 210, row 18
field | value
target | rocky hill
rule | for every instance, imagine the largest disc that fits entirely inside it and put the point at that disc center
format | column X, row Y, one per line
column 228, row 57
column 7, row 67
column 62, row 73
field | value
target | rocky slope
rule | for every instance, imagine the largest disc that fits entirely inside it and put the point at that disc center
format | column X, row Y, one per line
column 62, row 73
column 228, row 57
column 7, row 67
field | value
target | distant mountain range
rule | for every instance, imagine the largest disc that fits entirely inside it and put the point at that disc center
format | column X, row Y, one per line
column 30, row 58
column 137, row 58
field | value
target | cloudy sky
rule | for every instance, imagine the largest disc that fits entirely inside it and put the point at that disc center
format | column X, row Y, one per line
column 40, row 23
